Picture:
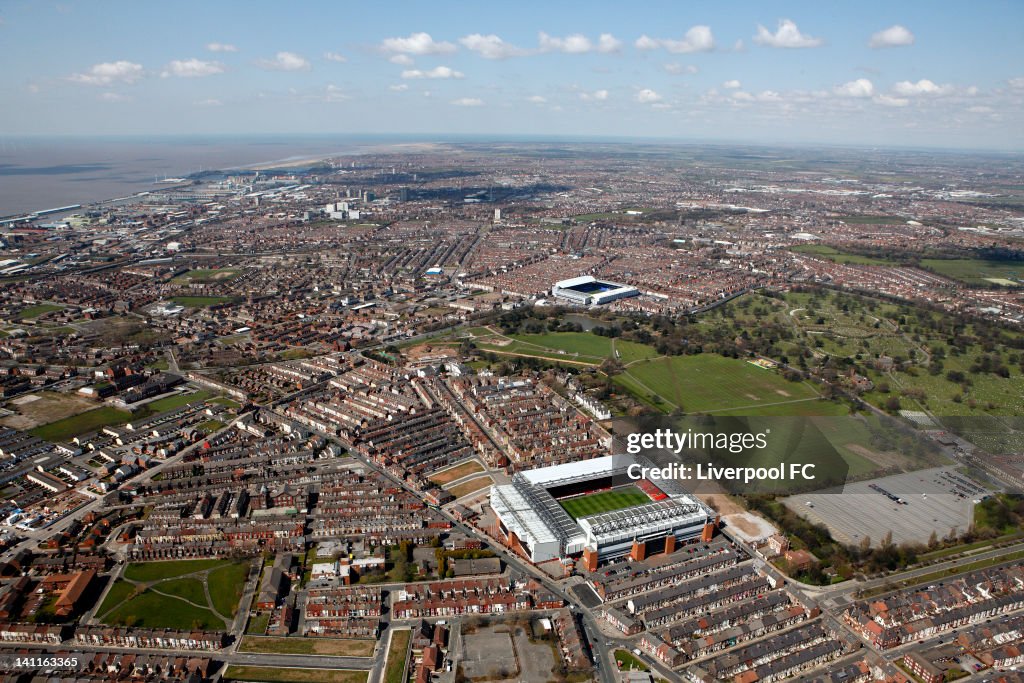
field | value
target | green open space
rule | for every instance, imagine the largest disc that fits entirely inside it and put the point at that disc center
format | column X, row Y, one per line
column 180, row 594
column 626, row 661
column 710, row 383
column 187, row 588
column 398, row 651
column 158, row 571
column 204, row 275
column 83, row 423
column 257, row 625
column 605, row 501
column 200, row 301
column 175, row 401
column 334, row 647
column 152, row 610
column 266, row 674
column 978, row 271
column 226, row 583
column 117, row 594
column 37, row 310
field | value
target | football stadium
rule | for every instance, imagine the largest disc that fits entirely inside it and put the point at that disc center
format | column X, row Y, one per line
column 584, row 508
column 587, row 290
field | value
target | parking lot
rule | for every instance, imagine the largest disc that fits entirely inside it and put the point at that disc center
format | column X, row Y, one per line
column 937, row 499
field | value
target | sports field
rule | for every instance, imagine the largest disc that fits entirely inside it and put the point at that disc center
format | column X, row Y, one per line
column 978, row 271
column 711, row 383
column 595, row 503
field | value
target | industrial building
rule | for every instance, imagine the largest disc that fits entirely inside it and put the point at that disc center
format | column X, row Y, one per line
column 531, row 520
column 587, row 290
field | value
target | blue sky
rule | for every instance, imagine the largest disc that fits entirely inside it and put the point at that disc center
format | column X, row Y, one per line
column 866, row 73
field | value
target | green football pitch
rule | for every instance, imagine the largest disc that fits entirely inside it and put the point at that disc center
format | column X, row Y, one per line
column 595, row 503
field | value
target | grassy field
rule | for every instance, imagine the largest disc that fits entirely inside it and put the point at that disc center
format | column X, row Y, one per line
column 257, row 625
column 226, row 583
column 187, row 588
column 174, row 594
column 626, row 661
column 200, row 275
column 978, row 271
column 158, row 571
column 710, row 383
column 37, row 310
column 152, row 610
column 309, row 646
column 200, row 301
column 117, row 594
column 83, row 423
column 176, row 401
column 570, row 347
column 468, row 487
column 397, row 654
column 457, row 472
column 594, row 503
column 265, row 674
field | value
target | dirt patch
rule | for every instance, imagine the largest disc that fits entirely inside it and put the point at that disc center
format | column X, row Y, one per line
column 783, row 392
column 468, row 487
column 721, row 503
column 749, row 526
column 47, row 406
column 457, row 472
column 752, row 397
column 431, row 351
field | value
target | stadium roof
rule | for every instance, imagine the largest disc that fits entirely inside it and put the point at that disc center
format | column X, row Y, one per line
column 576, row 471
column 643, row 520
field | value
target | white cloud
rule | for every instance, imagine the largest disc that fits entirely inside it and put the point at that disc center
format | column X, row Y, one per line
column 894, row 36
column 922, row 87
column 333, row 93
column 213, row 102
column 107, row 73
column 698, row 39
column 647, row 96
column 676, row 68
column 1016, row 83
column 491, row 46
column 468, row 102
column 787, row 36
column 599, row 95
column 114, row 97
column 861, row 87
column 335, row 57
column 575, row 44
column 436, row 72
column 607, row 43
column 191, row 68
column 980, row 110
column 221, row 47
column 769, row 96
column 401, row 87
column 731, row 85
column 285, row 61
column 537, row 99
column 417, row 44
column 402, row 60
column 741, row 96
column 890, row 101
